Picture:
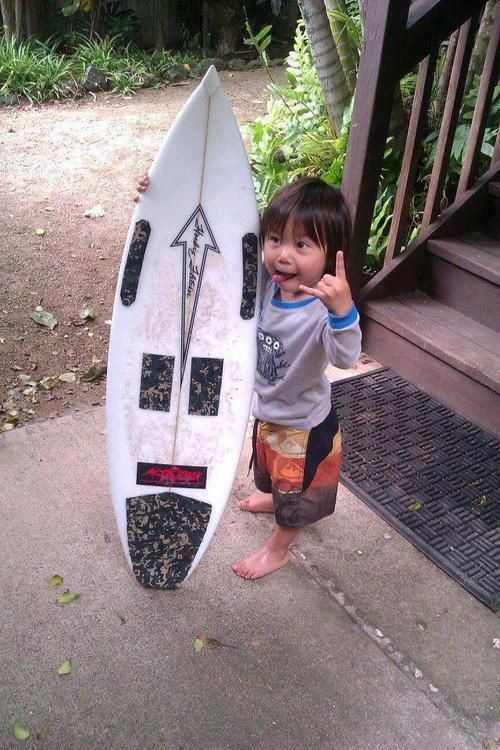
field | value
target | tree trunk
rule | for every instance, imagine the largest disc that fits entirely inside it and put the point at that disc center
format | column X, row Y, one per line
column 326, row 57
column 444, row 76
column 347, row 54
column 39, row 16
column 227, row 27
column 160, row 7
column 205, row 26
column 362, row 11
column 481, row 45
column 9, row 19
column 19, row 20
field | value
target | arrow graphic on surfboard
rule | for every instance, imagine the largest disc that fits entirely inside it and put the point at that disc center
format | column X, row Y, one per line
column 196, row 239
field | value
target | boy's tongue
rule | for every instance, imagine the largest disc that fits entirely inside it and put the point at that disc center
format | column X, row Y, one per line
column 279, row 277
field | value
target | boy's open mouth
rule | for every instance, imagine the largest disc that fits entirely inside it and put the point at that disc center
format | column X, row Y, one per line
column 279, row 277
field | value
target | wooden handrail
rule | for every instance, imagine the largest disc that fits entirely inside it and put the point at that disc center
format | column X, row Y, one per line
column 398, row 36
column 430, row 22
column 377, row 78
column 485, row 94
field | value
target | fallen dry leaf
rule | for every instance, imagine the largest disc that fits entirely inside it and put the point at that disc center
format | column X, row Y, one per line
column 67, row 597
column 20, row 731
column 65, row 667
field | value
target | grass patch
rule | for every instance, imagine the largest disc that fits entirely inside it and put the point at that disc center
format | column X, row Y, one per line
column 39, row 72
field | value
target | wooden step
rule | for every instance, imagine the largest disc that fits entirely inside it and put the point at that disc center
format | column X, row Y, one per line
column 464, row 273
column 492, row 212
column 475, row 252
column 494, row 188
column 441, row 350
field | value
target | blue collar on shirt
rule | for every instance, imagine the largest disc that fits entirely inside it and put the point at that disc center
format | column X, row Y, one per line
column 289, row 305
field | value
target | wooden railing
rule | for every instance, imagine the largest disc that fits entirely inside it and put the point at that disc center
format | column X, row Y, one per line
column 398, row 36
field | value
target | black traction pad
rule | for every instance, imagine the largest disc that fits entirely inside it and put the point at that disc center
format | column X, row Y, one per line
column 164, row 533
column 205, row 385
column 428, row 472
column 156, row 382
column 249, row 245
column 133, row 264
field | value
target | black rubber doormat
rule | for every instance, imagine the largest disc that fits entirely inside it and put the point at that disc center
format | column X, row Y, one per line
column 428, row 472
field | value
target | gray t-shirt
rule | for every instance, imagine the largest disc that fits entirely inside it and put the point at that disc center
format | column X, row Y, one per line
column 295, row 342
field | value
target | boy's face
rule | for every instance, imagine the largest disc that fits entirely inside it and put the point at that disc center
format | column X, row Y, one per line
column 293, row 259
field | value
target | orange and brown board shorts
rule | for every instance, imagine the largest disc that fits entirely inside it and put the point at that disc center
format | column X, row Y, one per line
column 301, row 468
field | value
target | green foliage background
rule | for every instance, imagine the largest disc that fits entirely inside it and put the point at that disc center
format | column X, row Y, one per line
column 295, row 138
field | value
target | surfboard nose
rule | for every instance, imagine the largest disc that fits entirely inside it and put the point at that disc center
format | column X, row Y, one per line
column 211, row 80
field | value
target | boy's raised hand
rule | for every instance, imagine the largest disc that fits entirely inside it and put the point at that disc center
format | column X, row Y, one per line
column 142, row 185
column 333, row 291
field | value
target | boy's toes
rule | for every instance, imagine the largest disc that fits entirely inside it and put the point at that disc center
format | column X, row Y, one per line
column 244, row 504
column 238, row 569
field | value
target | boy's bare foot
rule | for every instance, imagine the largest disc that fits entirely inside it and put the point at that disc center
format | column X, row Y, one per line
column 259, row 502
column 272, row 556
column 261, row 563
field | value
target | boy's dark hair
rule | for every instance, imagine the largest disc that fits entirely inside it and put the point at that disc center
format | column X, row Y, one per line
column 319, row 210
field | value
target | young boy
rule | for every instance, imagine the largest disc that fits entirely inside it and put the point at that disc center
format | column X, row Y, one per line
column 308, row 319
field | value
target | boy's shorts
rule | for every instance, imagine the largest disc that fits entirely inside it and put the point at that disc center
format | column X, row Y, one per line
column 301, row 468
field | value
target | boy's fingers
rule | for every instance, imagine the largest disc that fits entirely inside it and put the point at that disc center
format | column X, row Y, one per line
column 327, row 279
column 340, row 265
column 311, row 291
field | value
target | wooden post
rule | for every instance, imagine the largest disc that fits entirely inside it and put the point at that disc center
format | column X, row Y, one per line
column 411, row 156
column 496, row 152
column 450, row 119
column 378, row 73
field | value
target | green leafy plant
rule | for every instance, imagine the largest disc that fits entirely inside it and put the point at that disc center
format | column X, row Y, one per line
column 120, row 23
column 259, row 41
column 351, row 24
column 295, row 137
column 462, row 135
column 40, row 72
column 34, row 71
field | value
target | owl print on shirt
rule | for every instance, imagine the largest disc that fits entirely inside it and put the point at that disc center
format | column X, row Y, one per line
column 270, row 351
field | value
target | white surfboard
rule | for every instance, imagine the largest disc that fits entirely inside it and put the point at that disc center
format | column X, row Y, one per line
column 183, row 342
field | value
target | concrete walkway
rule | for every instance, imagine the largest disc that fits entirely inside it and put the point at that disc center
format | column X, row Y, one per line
column 360, row 643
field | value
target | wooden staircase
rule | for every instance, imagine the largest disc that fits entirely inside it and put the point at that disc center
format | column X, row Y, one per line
column 433, row 312
column 445, row 334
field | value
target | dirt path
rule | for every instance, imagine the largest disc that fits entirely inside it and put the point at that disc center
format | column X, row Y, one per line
column 61, row 160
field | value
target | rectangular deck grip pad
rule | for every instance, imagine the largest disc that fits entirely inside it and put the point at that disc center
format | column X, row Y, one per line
column 164, row 533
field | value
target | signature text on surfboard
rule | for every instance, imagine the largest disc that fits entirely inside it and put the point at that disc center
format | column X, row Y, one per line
column 194, row 270
column 196, row 239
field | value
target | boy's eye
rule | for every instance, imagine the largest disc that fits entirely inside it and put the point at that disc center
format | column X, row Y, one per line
column 273, row 238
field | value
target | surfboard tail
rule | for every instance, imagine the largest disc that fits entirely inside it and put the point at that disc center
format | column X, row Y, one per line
column 164, row 532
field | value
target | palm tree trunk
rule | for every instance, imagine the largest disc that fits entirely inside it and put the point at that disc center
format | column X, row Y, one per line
column 347, row 54
column 327, row 60
column 481, row 45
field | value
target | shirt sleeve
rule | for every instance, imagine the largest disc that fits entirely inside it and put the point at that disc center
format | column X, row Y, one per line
column 342, row 339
